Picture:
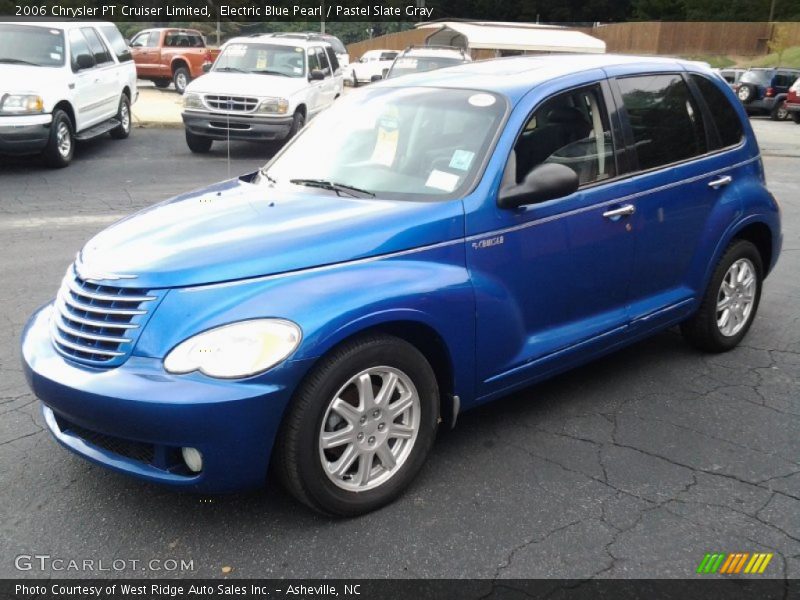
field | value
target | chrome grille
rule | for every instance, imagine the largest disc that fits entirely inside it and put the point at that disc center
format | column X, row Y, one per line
column 231, row 103
column 98, row 324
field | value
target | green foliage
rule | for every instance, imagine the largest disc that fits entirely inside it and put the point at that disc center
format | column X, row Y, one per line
column 790, row 58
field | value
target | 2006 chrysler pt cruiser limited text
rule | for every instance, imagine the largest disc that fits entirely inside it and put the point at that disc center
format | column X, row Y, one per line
column 419, row 249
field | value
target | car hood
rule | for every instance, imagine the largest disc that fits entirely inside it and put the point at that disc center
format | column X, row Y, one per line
column 243, row 84
column 26, row 78
column 238, row 230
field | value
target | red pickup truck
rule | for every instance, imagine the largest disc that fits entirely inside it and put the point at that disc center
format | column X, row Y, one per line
column 170, row 55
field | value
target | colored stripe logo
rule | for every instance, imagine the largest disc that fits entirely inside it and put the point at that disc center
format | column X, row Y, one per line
column 734, row 563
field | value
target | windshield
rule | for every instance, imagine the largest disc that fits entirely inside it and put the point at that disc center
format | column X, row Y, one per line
column 757, row 77
column 269, row 59
column 406, row 65
column 26, row 45
column 397, row 143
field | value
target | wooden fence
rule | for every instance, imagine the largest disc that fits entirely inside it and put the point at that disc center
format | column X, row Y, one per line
column 669, row 38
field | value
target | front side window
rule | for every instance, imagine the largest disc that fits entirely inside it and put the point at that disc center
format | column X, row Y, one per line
column 34, row 46
column 264, row 59
column 665, row 120
column 147, row 39
column 334, row 62
column 96, row 45
column 571, row 129
column 407, row 143
column 78, row 46
column 725, row 117
column 322, row 60
column 313, row 60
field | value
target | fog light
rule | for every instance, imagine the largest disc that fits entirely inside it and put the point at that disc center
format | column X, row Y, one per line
column 193, row 459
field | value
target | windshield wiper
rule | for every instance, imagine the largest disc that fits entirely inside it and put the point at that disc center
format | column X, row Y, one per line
column 234, row 69
column 16, row 61
column 267, row 176
column 268, row 72
column 333, row 186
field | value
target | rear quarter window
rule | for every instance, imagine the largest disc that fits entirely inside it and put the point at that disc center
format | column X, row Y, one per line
column 724, row 115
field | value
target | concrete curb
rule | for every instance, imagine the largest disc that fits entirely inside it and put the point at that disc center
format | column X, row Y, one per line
column 157, row 125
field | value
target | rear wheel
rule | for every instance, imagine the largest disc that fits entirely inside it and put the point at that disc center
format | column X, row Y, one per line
column 796, row 117
column 61, row 143
column 730, row 302
column 197, row 143
column 123, row 130
column 181, row 79
column 360, row 426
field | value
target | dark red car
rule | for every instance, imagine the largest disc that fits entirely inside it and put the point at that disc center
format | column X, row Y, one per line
column 793, row 101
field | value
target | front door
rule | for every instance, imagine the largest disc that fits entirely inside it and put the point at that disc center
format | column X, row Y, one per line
column 552, row 278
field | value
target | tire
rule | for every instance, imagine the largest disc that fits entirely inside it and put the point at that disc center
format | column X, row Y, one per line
column 795, row 117
column 162, row 83
column 61, row 144
column 181, row 79
column 197, row 143
column 705, row 329
column 745, row 93
column 305, row 467
column 779, row 112
column 298, row 122
column 123, row 130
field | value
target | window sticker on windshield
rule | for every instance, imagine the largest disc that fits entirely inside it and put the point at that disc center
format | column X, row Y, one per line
column 297, row 70
column 481, row 100
column 236, row 50
column 461, row 160
column 388, row 137
column 442, row 180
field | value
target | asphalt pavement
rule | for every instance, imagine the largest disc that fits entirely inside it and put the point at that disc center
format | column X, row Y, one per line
column 633, row 466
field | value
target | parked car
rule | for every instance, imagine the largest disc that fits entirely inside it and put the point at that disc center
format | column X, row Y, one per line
column 61, row 83
column 423, row 247
column 260, row 89
column 731, row 75
column 371, row 63
column 339, row 48
column 763, row 91
column 167, row 55
column 792, row 103
column 418, row 59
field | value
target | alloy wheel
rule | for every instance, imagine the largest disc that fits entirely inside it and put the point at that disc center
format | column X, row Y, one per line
column 369, row 429
column 736, row 297
column 63, row 139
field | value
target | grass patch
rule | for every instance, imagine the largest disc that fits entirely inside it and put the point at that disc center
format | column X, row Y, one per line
column 790, row 58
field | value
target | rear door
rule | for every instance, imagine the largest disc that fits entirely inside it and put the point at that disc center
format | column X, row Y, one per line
column 678, row 177
column 107, row 82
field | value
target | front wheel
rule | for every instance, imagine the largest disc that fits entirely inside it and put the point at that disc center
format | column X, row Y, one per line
column 61, row 143
column 123, row 130
column 359, row 427
column 197, row 143
column 779, row 113
column 731, row 301
column 181, row 79
column 298, row 122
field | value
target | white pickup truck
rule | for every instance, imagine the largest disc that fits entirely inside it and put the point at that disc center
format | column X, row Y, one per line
column 60, row 83
column 260, row 89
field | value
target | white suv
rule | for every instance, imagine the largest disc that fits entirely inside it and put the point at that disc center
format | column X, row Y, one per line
column 62, row 82
column 259, row 89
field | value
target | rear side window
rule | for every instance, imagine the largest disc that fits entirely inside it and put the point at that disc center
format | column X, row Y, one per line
column 665, row 120
column 99, row 50
column 118, row 45
column 757, row 77
column 725, row 117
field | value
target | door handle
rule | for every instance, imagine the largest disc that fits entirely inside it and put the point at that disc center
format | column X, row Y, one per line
column 622, row 211
column 722, row 181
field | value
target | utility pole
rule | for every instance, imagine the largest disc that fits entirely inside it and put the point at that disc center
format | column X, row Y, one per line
column 322, row 18
column 771, row 11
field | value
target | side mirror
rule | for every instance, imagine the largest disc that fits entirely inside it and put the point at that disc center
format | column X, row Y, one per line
column 84, row 61
column 548, row 181
column 206, row 67
column 316, row 75
column 376, row 78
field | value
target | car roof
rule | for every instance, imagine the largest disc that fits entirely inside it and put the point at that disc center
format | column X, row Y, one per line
column 424, row 51
column 60, row 24
column 515, row 76
column 278, row 41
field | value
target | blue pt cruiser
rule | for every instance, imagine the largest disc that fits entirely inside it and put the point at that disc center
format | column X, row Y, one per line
column 427, row 245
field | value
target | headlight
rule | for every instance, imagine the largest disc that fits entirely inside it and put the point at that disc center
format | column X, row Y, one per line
column 192, row 101
column 21, row 104
column 236, row 350
column 277, row 106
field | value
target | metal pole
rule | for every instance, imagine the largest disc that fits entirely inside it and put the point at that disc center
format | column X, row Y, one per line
column 322, row 18
column 771, row 11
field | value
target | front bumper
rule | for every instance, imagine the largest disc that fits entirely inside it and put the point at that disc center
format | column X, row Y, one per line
column 221, row 126
column 135, row 418
column 25, row 134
